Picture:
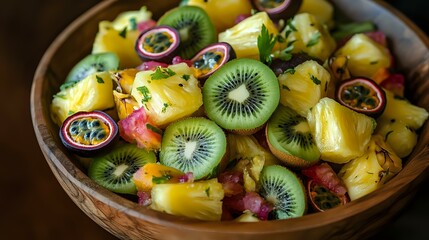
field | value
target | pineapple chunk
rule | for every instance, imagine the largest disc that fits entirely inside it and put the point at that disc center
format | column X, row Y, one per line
column 154, row 173
column 247, row 216
column 341, row 134
column 367, row 173
column 121, row 42
column 243, row 37
column 401, row 109
column 366, row 57
column 91, row 93
column 126, row 18
column 307, row 35
column 398, row 135
column 167, row 94
column 303, row 87
column 199, row 200
column 125, row 104
column 321, row 9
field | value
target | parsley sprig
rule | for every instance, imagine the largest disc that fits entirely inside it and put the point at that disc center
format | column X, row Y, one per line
column 162, row 73
column 266, row 42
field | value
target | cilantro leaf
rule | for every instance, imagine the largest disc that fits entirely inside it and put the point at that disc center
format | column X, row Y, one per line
column 162, row 73
column 314, row 39
column 99, row 79
column 186, row 77
column 123, row 33
column 145, row 92
column 266, row 42
column 315, row 80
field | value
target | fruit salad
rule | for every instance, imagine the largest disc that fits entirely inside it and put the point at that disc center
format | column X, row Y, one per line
column 238, row 110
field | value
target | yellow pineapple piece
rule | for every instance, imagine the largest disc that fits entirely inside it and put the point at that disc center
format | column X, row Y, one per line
column 308, row 35
column 198, row 200
column 341, row 134
column 124, row 19
column 398, row 135
column 401, row 109
column 121, row 42
column 247, row 216
column 243, row 37
column 365, row 56
column 367, row 173
column 321, row 9
column 125, row 104
column 91, row 93
column 302, row 87
column 168, row 94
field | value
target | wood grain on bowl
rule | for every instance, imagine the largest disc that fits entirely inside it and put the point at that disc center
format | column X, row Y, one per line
column 125, row 219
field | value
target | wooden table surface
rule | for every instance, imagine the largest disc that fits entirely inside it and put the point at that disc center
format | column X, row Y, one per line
column 33, row 204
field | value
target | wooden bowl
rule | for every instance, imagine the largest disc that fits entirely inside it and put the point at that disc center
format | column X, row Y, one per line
column 126, row 219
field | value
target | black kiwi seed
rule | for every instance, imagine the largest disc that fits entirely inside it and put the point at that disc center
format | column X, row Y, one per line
column 194, row 145
column 290, row 139
column 97, row 62
column 241, row 96
column 115, row 170
column 194, row 26
column 282, row 188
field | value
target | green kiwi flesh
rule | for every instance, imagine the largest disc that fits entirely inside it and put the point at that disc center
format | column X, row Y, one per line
column 289, row 134
column 97, row 62
column 115, row 170
column 194, row 145
column 194, row 26
column 282, row 188
column 241, row 95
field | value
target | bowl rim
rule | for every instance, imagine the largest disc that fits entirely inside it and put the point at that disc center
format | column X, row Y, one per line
column 58, row 159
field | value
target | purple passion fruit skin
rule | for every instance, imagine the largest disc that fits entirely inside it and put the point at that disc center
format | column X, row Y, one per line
column 322, row 199
column 211, row 58
column 278, row 9
column 88, row 133
column 362, row 95
column 279, row 66
column 159, row 43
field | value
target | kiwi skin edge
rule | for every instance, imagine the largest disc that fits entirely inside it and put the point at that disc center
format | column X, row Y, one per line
column 288, row 159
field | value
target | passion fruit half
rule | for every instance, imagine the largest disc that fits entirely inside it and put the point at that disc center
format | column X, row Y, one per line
column 322, row 199
column 158, row 44
column 362, row 95
column 88, row 133
column 278, row 9
column 211, row 58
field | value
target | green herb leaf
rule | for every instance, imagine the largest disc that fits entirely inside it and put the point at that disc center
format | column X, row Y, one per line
column 133, row 24
column 314, row 39
column 266, row 42
column 123, row 33
column 163, row 179
column 162, row 73
column 164, row 108
column 70, row 112
column 315, row 80
column 153, row 128
column 207, row 191
column 99, row 79
column 290, row 28
column 145, row 92
column 186, row 77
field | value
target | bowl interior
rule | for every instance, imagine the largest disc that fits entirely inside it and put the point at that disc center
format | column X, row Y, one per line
column 410, row 48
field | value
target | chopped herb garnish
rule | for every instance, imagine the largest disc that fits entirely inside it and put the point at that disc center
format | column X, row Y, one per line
column 186, row 77
column 290, row 28
column 290, row 71
column 153, row 128
column 99, row 79
column 123, row 33
column 286, row 54
column 162, row 179
column 314, row 39
column 145, row 92
column 208, row 191
column 315, row 80
column 70, row 112
column 266, row 42
column 285, row 87
column 133, row 24
column 162, row 73
column 164, row 108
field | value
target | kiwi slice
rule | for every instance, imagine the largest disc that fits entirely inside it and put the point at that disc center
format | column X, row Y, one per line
column 290, row 139
column 241, row 95
column 97, row 62
column 282, row 188
column 194, row 145
column 195, row 28
column 115, row 170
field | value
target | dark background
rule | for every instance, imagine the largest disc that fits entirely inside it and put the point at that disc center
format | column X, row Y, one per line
column 33, row 204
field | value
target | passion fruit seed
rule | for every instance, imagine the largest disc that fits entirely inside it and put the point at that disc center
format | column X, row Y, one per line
column 158, row 43
column 362, row 95
column 322, row 198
